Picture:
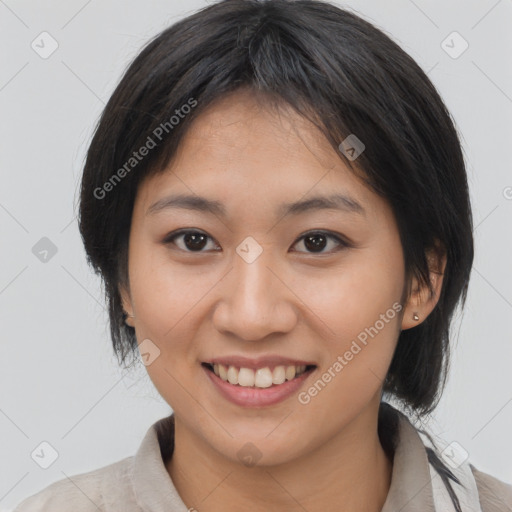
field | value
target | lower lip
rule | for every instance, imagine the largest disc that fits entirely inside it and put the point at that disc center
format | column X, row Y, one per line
column 257, row 397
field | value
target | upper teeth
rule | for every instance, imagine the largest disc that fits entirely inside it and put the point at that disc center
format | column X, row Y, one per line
column 261, row 378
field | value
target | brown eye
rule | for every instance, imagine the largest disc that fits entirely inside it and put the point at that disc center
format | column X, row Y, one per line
column 317, row 241
column 190, row 241
column 314, row 241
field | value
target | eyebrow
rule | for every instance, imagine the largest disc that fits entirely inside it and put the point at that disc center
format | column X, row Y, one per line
column 202, row 204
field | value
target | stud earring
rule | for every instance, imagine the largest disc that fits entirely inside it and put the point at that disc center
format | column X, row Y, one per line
column 415, row 317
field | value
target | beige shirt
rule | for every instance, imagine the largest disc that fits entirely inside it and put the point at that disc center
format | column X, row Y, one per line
column 141, row 482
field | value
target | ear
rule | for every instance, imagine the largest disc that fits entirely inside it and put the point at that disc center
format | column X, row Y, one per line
column 421, row 302
column 127, row 305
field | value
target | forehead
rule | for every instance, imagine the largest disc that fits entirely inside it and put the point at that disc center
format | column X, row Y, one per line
column 242, row 124
column 240, row 150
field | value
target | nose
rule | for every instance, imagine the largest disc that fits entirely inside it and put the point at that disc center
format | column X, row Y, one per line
column 255, row 300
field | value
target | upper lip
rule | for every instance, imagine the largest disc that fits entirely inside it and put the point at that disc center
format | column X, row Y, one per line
column 258, row 362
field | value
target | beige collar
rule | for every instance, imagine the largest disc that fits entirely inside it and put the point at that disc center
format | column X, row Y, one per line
column 411, row 484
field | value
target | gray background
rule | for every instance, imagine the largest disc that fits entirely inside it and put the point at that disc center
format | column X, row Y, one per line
column 59, row 381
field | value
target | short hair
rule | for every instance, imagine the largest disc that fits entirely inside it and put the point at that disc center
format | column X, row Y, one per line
column 347, row 77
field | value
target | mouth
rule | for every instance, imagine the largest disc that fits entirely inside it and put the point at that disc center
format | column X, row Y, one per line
column 258, row 377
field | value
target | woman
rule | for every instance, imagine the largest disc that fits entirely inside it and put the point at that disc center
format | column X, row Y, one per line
column 276, row 199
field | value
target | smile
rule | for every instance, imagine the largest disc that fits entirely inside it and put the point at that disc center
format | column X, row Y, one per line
column 257, row 386
column 259, row 378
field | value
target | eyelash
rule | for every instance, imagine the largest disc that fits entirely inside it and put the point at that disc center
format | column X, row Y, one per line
column 169, row 239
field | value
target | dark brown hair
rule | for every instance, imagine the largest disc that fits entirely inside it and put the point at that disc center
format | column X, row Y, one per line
column 346, row 76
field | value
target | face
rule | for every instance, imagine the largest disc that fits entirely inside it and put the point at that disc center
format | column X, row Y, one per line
column 252, row 285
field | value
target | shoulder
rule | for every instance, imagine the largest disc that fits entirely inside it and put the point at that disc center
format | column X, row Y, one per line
column 85, row 492
column 495, row 495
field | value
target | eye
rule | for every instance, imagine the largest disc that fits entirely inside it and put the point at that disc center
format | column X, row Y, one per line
column 192, row 240
column 316, row 241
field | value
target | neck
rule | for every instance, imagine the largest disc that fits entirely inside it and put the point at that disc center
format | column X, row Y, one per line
column 348, row 472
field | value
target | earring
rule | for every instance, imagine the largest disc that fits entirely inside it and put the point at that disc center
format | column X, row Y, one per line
column 415, row 317
column 128, row 316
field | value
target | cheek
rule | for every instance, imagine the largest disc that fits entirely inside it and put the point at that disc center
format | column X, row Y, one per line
column 354, row 295
column 167, row 300
column 163, row 292
column 354, row 366
column 358, row 309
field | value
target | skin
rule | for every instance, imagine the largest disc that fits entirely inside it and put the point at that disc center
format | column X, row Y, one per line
column 291, row 301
